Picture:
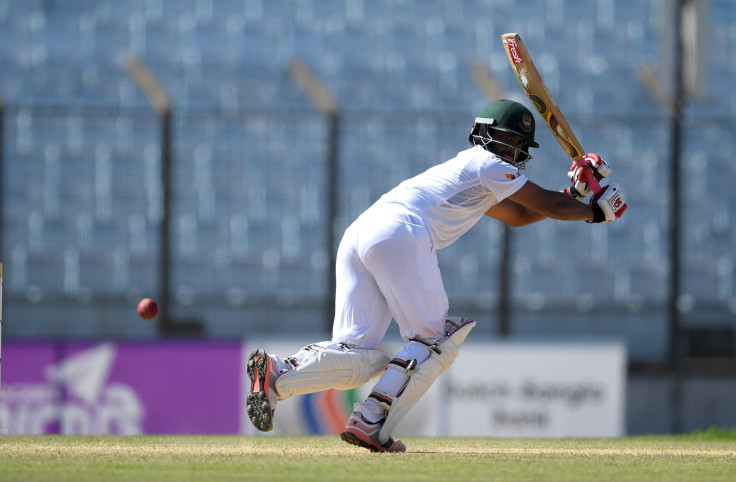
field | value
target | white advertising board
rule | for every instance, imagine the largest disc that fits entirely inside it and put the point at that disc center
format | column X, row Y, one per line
column 535, row 390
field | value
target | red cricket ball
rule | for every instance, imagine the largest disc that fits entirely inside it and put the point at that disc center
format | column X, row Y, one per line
column 147, row 309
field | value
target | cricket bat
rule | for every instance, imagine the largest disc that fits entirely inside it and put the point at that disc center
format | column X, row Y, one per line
column 536, row 90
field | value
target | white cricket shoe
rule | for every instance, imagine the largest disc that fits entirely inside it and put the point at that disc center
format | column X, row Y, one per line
column 363, row 433
column 261, row 401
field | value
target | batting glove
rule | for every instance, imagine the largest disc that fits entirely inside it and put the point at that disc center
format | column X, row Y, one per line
column 608, row 204
column 585, row 175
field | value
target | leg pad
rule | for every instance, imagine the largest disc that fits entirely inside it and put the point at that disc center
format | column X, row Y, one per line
column 442, row 356
column 327, row 365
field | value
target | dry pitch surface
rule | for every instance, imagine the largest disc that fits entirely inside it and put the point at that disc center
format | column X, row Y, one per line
column 215, row 458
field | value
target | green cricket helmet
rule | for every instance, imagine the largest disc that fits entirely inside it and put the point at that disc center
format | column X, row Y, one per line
column 509, row 117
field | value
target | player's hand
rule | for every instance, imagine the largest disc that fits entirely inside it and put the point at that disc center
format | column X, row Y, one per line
column 608, row 204
column 585, row 175
column 599, row 166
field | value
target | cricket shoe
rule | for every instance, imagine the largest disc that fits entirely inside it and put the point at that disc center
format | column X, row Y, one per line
column 363, row 433
column 261, row 401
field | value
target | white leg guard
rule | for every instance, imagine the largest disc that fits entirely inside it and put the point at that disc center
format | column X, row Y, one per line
column 443, row 355
column 326, row 365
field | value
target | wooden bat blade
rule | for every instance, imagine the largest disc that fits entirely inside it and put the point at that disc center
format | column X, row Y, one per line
column 534, row 87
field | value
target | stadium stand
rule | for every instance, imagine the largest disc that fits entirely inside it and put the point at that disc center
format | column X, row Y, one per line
column 81, row 199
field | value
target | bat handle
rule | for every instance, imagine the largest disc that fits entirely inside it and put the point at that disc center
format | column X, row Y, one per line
column 588, row 176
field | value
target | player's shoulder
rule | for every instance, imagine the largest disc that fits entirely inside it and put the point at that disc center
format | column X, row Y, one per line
column 484, row 159
column 492, row 167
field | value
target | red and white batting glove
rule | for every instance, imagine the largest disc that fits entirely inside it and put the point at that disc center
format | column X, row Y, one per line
column 585, row 175
column 608, row 204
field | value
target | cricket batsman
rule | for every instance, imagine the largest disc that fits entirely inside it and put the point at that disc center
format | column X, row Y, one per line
column 387, row 269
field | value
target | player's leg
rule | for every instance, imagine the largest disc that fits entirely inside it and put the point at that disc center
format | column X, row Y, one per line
column 418, row 377
column 328, row 365
column 348, row 361
column 399, row 253
column 361, row 320
column 316, row 367
column 413, row 381
column 407, row 270
column 362, row 314
column 408, row 275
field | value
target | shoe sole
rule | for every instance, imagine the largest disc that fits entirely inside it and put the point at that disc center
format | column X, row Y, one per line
column 257, row 404
column 355, row 440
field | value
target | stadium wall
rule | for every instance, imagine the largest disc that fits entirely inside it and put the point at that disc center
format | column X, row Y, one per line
column 199, row 387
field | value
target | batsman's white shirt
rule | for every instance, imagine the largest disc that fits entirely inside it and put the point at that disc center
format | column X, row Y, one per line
column 387, row 263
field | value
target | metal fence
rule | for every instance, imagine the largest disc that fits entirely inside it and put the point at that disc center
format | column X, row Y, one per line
column 250, row 244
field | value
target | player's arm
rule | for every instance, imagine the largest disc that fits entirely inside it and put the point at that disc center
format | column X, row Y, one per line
column 532, row 203
column 514, row 214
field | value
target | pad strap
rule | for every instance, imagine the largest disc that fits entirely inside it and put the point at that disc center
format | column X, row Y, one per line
column 405, row 366
column 383, row 399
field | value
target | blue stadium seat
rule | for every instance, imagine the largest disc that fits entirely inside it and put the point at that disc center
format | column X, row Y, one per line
column 85, row 218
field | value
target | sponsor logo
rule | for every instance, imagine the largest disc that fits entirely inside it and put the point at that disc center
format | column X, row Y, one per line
column 514, row 51
column 617, row 202
column 79, row 398
column 513, row 176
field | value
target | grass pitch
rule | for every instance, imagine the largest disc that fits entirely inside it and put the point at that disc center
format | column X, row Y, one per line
column 708, row 456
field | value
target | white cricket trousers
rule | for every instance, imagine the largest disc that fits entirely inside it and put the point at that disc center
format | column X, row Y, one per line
column 387, row 268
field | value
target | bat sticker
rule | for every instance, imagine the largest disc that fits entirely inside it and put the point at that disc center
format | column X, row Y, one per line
column 513, row 48
column 538, row 104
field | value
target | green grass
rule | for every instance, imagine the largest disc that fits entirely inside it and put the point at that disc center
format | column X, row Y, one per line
column 707, row 455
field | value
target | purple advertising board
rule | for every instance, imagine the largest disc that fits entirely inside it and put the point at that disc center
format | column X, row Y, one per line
column 162, row 387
